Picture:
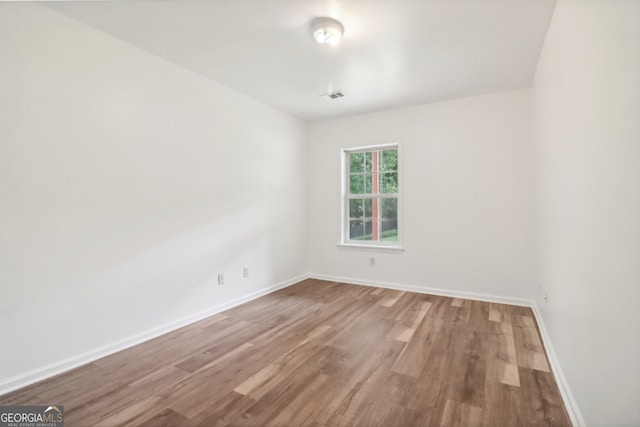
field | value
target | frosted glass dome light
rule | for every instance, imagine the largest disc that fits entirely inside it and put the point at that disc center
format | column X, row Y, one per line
column 327, row 31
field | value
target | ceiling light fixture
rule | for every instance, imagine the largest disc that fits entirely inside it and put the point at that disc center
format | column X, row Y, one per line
column 327, row 30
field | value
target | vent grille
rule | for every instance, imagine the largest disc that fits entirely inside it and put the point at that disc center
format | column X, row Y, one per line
column 333, row 95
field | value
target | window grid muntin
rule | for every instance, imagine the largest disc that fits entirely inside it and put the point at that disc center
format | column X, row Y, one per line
column 380, row 172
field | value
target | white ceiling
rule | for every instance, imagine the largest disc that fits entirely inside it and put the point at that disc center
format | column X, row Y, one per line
column 394, row 52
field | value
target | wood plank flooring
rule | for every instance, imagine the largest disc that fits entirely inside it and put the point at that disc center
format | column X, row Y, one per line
column 323, row 354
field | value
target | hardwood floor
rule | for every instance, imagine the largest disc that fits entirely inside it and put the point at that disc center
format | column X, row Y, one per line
column 323, row 354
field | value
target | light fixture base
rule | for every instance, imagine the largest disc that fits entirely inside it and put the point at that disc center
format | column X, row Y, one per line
column 327, row 30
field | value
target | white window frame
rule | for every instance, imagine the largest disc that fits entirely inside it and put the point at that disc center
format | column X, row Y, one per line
column 345, row 242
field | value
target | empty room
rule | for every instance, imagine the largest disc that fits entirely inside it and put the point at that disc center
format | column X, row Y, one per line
column 320, row 213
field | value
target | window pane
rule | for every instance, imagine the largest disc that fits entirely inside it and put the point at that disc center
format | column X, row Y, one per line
column 367, row 183
column 356, row 184
column 389, row 183
column 367, row 229
column 389, row 219
column 360, row 184
column 389, row 160
column 356, row 208
column 389, row 208
column 356, row 229
column 367, row 161
column 356, row 162
column 367, row 208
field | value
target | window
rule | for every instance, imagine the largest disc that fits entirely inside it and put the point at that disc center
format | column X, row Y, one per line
column 370, row 197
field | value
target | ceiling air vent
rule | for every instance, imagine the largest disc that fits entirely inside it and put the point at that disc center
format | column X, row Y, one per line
column 332, row 95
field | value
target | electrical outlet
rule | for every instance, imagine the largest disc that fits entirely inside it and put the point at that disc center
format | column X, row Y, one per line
column 245, row 272
column 220, row 279
column 372, row 262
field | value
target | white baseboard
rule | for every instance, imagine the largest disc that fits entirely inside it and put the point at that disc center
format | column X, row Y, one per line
column 569, row 401
column 39, row 374
column 565, row 392
column 424, row 290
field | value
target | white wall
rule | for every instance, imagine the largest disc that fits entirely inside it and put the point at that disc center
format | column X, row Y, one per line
column 127, row 184
column 587, row 107
column 466, row 175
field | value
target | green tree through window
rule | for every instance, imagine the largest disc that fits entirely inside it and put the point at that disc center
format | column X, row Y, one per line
column 372, row 195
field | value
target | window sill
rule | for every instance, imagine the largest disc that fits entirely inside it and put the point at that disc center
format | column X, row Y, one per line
column 396, row 249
